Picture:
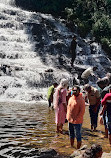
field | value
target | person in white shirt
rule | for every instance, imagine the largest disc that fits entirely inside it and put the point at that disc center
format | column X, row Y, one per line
column 90, row 71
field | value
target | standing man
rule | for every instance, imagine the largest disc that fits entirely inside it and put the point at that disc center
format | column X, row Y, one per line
column 50, row 93
column 103, row 89
column 90, row 71
column 93, row 97
column 75, row 113
column 106, row 102
column 73, row 49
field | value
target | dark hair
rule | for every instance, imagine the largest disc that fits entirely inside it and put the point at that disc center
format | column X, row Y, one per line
column 87, row 86
column 74, row 36
column 109, row 77
column 103, row 81
column 92, row 151
column 78, row 88
column 99, row 82
column 55, row 84
column 94, row 67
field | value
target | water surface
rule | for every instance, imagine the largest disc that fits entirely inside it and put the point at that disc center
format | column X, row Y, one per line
column 24, row 128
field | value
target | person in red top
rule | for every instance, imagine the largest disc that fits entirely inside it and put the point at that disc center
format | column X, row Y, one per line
column 75, row 113
column 106, row 102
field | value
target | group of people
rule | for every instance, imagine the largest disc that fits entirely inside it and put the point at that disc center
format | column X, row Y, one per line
column 70, row 104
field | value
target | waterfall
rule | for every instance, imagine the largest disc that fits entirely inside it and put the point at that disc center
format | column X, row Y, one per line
column 34, row 52
column 7, row 2
column 23, row 75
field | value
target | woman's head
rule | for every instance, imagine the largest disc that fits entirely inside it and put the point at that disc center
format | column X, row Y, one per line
column 64, row 83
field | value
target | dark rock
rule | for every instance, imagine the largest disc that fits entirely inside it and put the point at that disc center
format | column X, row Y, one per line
column 45, row 156
column 49, row 70
column 49, row 151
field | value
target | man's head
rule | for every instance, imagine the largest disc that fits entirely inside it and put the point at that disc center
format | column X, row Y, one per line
column 76, row 90
column 55, row 84
column 87, row 88
column 74, row 37
column 103, row 82
column 94, row 68
column 108, row 75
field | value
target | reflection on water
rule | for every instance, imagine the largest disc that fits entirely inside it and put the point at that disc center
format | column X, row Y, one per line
column 26, row 127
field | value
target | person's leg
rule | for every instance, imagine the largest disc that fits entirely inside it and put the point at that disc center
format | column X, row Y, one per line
column 95, row 119
column 49, row 102
column 72, row 61
column 110, row 139
column 109, row 129
column 73, row 58
column 61, row 128
column 106, row 133
column 71, row 134
column 91, row 117
column 105, row 124
column 78, row 134
column 58, row 128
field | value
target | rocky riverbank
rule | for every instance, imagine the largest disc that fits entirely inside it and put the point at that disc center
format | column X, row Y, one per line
column 51, row 153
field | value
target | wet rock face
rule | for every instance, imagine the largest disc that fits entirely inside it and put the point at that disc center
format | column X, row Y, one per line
column 23, row 152
column 48, row 37
column 78, row 153
column 36, row 47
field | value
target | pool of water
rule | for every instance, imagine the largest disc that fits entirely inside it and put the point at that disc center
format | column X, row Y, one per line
column 24, row 128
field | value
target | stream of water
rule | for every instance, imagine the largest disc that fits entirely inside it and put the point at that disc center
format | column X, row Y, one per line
column 31, row 43
column 24, row 128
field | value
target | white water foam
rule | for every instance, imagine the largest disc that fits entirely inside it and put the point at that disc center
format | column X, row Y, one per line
column 17, row 50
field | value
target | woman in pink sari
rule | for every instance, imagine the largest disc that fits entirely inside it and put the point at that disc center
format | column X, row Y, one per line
column 60, row 105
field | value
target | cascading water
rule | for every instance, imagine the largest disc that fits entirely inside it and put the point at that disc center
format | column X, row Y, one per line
column 22, row 71
column 7, row 1
column 33, row 43
column 34, row 52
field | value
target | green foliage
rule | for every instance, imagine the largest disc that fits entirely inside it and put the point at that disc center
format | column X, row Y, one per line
column 106, row 44
column 102, row 27
column 92, row 16
column 55, row 7
column 83, row 28
column 89, row 15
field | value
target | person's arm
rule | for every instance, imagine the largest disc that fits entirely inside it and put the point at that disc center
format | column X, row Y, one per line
column 103, row 102
column 86, row 100
column 52, row 93
column 64, row 99
column 103, row 109
column 82, row 111
column 93, row 74
column 98, row 98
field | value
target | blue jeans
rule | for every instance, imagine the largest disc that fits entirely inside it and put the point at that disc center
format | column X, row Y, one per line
column 109, row 124
column 105, row 119
column 75, row 131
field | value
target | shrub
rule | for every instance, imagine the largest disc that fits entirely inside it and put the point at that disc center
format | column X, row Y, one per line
column 102, row 27
column 106, row 45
